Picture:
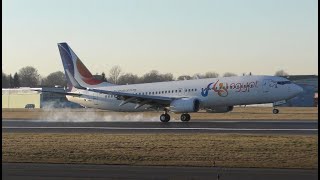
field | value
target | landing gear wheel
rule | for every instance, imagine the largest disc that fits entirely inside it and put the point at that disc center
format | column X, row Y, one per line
column 185, row 117
column 165, row 118
column 275, row 111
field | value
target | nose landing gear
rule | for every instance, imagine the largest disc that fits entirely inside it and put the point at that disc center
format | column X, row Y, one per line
column 275, row 111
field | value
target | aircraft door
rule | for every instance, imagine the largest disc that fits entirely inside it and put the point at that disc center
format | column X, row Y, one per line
column 266, row 85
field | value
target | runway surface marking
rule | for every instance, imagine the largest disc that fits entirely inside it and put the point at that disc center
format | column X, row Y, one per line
column 132, row 128
column 235, row 126
column 197, row 121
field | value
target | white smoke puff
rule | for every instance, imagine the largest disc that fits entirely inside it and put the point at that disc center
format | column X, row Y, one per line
column 91, row 115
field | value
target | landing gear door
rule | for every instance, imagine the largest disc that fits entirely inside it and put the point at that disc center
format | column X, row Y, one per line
column 266, row 85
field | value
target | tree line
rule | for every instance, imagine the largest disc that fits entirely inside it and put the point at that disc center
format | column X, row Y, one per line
column 29, row 77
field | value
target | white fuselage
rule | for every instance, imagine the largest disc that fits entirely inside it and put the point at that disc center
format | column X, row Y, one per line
column 212, row 92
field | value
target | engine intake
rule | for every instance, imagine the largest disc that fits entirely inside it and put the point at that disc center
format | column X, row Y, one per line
column 185, row 105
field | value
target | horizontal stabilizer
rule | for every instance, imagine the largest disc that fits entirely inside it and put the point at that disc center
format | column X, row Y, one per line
column 60, row 92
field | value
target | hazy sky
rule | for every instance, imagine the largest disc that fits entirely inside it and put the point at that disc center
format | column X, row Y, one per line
column 171, row 36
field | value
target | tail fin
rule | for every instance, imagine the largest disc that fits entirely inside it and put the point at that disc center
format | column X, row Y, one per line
column 77, row 70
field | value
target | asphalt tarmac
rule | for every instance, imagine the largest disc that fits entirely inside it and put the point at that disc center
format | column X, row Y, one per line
column 294, row 127
column 36, row 171
column 26, row 171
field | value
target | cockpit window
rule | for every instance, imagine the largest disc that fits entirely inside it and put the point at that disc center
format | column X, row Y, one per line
column 283, row 82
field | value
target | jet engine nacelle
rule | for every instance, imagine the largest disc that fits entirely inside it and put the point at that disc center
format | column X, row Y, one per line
column 220, row 109
column 185, row 105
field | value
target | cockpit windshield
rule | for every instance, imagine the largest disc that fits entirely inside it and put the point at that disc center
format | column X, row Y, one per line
column 283, row 82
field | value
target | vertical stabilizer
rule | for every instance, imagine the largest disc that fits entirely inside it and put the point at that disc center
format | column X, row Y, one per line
column 75, row 68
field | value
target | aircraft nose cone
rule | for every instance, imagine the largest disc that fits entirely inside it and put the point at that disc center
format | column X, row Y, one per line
column 298, row 89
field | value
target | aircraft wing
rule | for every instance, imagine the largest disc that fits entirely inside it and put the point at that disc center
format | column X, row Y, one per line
column 139, row 99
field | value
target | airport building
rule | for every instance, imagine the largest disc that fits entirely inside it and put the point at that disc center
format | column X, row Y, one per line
column 29, row 98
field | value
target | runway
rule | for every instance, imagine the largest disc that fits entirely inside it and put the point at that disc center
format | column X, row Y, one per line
column 294, row 127
column 15, row 171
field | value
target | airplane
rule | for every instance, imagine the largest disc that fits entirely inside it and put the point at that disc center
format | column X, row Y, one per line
column 215, row 95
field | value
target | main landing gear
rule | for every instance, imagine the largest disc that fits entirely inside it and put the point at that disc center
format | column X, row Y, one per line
column 185, row 117
column 165, row 117
column 275, row 111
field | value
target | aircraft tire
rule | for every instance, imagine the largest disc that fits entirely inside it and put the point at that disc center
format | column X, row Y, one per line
column 275, row 111
column 189, row 117
column 185, row 117
column 165, row 118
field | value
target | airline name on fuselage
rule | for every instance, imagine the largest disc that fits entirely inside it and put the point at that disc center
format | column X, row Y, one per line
column 222, row 88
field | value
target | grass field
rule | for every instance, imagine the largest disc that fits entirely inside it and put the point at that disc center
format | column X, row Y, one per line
column 286, row 113
column 226, row 150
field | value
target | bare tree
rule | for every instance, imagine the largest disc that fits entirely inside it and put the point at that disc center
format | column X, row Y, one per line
column 197, row 76
column 103, row 77
column 5, row 80
column 167, row 77
column 229, row 74
column 184, row 77
column 10, row 81
column 152, row 76
column 55, row 78
column 211, row 75
column 29, row 76
column 281, row 73
column 155, row 76
column 114, row 74
column 128, row 78
column 16, row 80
